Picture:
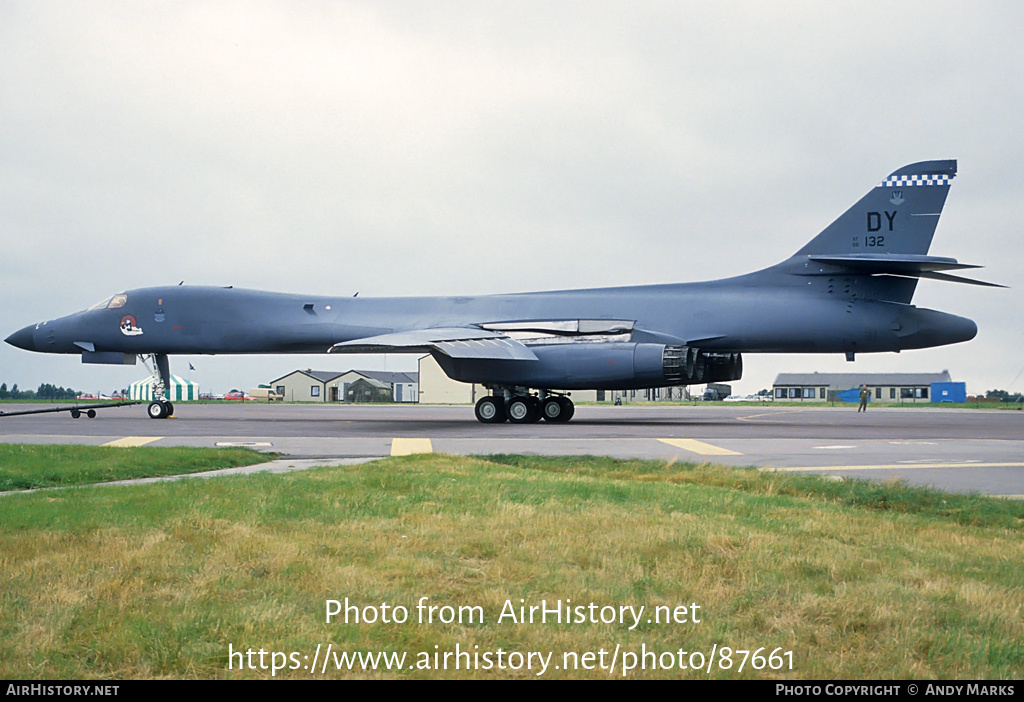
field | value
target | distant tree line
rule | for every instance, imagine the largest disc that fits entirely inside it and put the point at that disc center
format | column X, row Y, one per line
column 1004, row 395
column 44, row 392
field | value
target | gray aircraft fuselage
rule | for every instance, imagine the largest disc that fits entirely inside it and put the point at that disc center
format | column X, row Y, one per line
column 847, row 291
column 796, row 314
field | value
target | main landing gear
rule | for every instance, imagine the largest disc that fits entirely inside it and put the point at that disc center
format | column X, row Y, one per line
column 519, row 407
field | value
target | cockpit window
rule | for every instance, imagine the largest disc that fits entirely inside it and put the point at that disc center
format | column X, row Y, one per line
column 111, row 303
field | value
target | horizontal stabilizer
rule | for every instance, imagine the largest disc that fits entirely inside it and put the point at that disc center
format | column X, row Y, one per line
column 456, row 342
column 903, row 265
column 957, row 279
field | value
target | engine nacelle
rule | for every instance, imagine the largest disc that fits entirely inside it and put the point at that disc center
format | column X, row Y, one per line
column 719, row 367
column 599, row 366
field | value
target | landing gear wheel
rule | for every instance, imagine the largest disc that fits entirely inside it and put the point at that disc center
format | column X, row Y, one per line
column 91, row 414
column 524, row 410
column 156, row 410
column 75, row 414
column 168, row 408
column 490, row 410
column 558, row 409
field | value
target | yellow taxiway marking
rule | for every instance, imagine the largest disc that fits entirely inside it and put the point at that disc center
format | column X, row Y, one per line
column 133, row 441
column 699, row 447
column 900, row 466
column 407, row 447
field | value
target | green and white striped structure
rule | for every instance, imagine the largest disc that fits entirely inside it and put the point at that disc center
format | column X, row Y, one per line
column 180, row 389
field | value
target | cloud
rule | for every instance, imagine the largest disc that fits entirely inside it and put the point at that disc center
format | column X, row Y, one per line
column 458, row 148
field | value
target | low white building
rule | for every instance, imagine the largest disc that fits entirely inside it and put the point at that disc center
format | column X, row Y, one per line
column 404, row 386
column 305, row 386
column 884, row 387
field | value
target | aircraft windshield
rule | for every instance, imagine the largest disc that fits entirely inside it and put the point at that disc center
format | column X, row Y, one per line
column 111, row 303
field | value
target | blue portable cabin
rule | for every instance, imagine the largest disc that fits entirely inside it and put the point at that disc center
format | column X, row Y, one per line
column 949, row 392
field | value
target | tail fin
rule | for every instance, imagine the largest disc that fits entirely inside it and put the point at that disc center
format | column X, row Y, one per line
column 884, row 238
column 898, row 216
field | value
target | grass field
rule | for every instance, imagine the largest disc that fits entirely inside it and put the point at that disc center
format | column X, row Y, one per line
column 856, row 580
column 37, row 466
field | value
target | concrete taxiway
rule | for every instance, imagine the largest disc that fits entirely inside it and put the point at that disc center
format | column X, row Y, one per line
column 960, row 450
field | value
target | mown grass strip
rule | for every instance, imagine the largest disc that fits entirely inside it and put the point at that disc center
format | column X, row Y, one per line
column 159, row 580
column 890, row 495
column 24, row 466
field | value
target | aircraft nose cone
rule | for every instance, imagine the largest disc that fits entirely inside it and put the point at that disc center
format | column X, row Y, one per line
column 23, row 338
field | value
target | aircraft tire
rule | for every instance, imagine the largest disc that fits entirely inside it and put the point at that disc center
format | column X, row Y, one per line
column 91, row 414
column 75, row 414
column 536, row 409
column 168, row 408
column 156, row 410
column 524, row 410
column 558, row 409
column 490, row 410
column 570, row 409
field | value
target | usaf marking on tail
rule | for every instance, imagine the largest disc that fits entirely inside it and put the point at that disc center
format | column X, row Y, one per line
column 829, row 297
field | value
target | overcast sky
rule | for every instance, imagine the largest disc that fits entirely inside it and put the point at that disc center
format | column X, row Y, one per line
column 439, row 148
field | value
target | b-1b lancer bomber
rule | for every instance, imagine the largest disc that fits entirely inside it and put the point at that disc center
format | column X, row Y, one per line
column 847, row 291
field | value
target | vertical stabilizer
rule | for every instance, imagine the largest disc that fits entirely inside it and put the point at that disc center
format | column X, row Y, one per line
column 898, row 216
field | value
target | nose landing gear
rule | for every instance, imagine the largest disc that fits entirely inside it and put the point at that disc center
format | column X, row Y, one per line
column 160, row 409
